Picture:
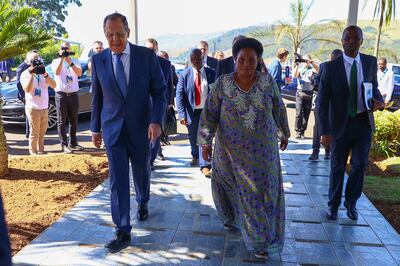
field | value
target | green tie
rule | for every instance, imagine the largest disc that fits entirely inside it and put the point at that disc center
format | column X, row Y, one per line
column 353, row 90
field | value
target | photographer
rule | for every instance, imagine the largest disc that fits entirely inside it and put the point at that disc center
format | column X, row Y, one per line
column 305, row 75
column 66, row 73
column 35, row 82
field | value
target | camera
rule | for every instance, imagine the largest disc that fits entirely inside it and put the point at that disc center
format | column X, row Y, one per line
column 38, row 66
column 64, row 53
column 299, row 58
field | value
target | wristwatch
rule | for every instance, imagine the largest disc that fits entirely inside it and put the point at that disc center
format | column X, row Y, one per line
column 72, row 64
column 46, row 75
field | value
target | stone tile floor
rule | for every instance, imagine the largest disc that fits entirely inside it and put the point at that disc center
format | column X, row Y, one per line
column 183, row 228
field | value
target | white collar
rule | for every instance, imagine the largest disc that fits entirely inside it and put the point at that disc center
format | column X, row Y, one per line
column 350, row 60
column 195, row 70
column 127, row 49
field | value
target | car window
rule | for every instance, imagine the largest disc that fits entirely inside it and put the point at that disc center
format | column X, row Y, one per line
column 396, row 70
column 397, row 79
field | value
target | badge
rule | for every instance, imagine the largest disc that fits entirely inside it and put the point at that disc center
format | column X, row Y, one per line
column 69, row 79
column 37, row 92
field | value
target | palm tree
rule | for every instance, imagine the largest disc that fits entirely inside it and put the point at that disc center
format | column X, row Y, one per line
column 17, row 36
column 297, row 34
column 386, row 10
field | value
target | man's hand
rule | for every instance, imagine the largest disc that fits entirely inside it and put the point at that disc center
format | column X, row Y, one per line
column 326, row 141
column 97, row 139
column 183, row 122
column 377, row 105
column 284, row 143
column 68, row 60
column 154, row 132
column 207, row 152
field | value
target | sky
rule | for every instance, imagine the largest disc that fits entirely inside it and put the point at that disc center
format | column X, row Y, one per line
column 160, row 17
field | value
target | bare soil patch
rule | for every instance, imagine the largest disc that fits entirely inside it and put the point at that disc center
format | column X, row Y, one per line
column 40, row 189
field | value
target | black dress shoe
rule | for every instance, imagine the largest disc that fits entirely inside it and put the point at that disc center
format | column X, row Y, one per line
column 161, row 157
column 327, row 155
column 143, row 212
column 313, row 157
column 194, row 162
column 351, row 211
column 121, row 241
column 331, row 213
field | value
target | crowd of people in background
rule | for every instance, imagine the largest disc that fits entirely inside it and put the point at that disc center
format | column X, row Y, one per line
column 234, row 114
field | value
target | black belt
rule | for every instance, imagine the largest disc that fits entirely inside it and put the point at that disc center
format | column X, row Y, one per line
column 66, row 93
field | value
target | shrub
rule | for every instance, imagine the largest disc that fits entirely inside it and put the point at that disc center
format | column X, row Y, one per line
column 386, row 139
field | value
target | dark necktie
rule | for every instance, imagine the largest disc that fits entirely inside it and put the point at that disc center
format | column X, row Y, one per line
column 120, row 74
column 197, row 88
column 353, row 90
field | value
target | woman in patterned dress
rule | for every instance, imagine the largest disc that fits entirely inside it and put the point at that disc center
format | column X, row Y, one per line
column 245, row 112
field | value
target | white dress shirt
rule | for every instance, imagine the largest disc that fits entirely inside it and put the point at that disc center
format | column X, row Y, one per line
column 126, row 60
column 386, row 83
column 204, row 88
column 348, row 63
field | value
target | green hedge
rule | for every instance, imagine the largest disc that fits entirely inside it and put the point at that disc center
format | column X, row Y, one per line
column 386, row 139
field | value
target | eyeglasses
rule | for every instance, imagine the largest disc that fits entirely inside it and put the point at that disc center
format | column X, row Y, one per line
column 119, row 35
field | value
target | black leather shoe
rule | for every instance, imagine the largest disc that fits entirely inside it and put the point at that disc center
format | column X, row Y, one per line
column 351, row 211
column 313, row 157
column 331, row 213
column 143, row 212
column 121, row 241
column 161, row 157
column 194, row 162
column 327, row 155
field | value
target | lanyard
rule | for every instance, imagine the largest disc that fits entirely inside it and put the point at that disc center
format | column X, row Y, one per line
column 38, row 80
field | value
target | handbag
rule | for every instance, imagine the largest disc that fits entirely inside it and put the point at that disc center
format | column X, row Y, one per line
column 170, row 125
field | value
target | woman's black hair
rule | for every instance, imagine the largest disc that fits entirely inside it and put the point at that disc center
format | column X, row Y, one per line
column 247, row 43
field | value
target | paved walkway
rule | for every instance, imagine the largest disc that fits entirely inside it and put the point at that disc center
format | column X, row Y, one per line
column 183, row 229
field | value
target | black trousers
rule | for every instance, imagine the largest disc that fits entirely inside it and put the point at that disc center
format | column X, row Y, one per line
column 357, row 140
column 303, row 109
column 67, row 114
column 316, row 144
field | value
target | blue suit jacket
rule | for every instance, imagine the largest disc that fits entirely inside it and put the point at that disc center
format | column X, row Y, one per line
column 275, row 69
column 185, row 92
column 225, row 66
column 212, row 62
column 166, row 68
column 5, row 250
column 144, row 103
column 334, row 94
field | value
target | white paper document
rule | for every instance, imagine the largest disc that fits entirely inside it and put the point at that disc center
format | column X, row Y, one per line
column 367, row 94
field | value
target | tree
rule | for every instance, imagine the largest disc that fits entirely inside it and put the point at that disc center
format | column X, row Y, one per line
column 385, row 10
column 297, row 34
column 17, row 36
column 53, row 12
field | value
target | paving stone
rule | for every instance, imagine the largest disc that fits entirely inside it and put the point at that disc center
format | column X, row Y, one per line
column 290, row 170
column 302, row 214
column 164, row 219
column 89, row 233
column 395, row 252
column 136, row 256
column 298, row 200
column 351, row 234
column 305, row 231
column 59, row 231
column 316, row 180
column 292, row 179
column 77, row 255
column 317, row 189
column 201, row 222
column 349, row 254
column 314, row 171
column 308, row 253
column 297, row 188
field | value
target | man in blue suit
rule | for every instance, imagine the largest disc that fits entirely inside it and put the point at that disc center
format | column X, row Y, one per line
column 275, row 68
column 128, row 98
column 5, row 250
column 344, row 119
column 166, row 70
column 191, row 94
column 227, row 65
column 208, row 61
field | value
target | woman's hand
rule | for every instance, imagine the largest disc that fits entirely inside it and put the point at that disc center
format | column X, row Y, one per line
column 207, row 152
column 284, row 143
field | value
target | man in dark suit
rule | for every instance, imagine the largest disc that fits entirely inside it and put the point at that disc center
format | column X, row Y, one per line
column 208, row 61
column 227, row 65
column 128, row 99
column 5, row 250
column 191, row 94
column 316, row 135
column 166, row 69
column 344, row 119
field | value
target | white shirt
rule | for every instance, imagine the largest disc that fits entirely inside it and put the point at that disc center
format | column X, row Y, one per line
column 348, row 63
column 40, row 85
column 66, row 73
column 386, row 83
column 204, row 88
column 126, row 60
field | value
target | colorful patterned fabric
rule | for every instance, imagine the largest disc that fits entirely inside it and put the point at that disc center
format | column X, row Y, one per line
column 246, row 179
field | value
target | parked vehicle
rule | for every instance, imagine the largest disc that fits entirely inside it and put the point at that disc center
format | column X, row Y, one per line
column 396, row 90
column 13, row 109
column 289, row 92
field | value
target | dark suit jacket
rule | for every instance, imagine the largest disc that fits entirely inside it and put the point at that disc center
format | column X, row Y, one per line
column 334, row 94
column 275, row 69
column 21, row 68
column 167, row 72
column 144, row 103
column 225, row 66
column 185, row 101
column 5, row 250
column 212, row 62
